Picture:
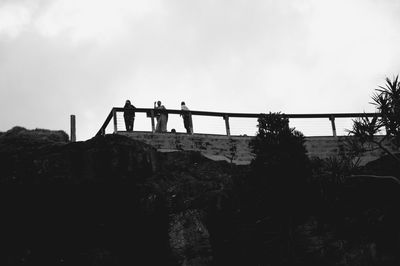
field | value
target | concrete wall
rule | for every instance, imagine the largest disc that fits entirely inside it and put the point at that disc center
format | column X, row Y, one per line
column 216, row 147
column 236, row 148
column 325, row 147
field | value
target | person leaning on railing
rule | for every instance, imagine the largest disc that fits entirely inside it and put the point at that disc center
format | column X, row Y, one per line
column 162, row 117
column 129, row 115
column 187, row 118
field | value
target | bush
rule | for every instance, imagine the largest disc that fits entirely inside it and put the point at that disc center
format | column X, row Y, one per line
column 281, row 162
column 43, row 135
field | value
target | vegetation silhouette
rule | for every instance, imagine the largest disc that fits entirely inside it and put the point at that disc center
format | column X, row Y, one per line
column 387, row 101
column 277, row 182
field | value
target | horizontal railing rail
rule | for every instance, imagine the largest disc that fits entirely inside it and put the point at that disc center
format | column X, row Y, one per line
column 151, row 113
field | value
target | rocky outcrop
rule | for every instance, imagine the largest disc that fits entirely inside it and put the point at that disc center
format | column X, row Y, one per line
column 190, row 239
column 141, row 205
column 113, row 200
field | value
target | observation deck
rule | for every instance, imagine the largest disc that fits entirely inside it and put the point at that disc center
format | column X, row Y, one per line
column 234, row 133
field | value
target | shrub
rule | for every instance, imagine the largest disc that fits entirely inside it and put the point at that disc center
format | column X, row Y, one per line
column 280, row 155
column 387, row 102
column 44, row 135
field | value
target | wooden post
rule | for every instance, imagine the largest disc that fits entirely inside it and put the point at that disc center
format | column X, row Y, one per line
column 228, row 130
column 332, row 118
column 115, row 121
column 153, row 128
column 73, row 128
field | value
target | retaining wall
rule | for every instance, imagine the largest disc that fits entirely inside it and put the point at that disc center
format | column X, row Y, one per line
column 236, row 148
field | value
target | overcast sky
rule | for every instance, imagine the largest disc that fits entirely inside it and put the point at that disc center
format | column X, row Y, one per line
column 82, row 57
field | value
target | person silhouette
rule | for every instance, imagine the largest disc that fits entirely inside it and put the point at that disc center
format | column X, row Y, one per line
column 162, row 117
column 187, row 118
column 129, row 115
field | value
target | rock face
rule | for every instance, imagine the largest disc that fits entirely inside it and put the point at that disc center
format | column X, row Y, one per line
column 139, row 205
column 113, row 200
column 190, row 239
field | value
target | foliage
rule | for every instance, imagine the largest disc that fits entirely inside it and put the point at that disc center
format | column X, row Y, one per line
column 365, row 129
column 387, row 101
column 232, row 151
column 337, row 168
column 279, row 172
column 29, row 138
column 281, row 165
column 277, row 182
column 279, row 150
column 329, row 175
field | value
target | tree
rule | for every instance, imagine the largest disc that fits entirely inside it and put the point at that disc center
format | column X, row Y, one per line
column 387, row 102
column 280, row 170
column 279, row 150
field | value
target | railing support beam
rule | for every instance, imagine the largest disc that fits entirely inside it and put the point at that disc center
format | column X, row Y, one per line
column 115, row 121
column 332, row 118
column 73, row 128
column 228, row 130
column 153, row 127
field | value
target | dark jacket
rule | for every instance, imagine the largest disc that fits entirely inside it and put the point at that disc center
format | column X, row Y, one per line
column 129, row 110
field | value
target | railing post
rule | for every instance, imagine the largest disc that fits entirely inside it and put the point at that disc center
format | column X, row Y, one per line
column 228, row 130
column 73, row 128
column 153, row 128
column 115, row 121
column 332, row 118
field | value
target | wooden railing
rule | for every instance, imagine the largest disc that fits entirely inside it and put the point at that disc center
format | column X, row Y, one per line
column 151, row 114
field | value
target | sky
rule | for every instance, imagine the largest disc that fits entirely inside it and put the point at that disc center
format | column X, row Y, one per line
column 83, row 57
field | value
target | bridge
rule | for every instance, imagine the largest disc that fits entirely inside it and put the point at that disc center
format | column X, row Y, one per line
column 228, row 145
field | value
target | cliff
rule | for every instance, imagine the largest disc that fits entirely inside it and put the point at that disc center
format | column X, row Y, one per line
column 113, row 200
column 132, row 204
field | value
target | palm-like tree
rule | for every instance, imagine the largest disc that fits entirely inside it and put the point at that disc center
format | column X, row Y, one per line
column 387, row 101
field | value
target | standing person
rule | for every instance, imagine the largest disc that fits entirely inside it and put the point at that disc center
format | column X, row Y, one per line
column 187, row 118
column 129, row 115
column 162, row 117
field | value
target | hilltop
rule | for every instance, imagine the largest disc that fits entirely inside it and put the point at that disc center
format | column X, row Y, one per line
column 112, row 200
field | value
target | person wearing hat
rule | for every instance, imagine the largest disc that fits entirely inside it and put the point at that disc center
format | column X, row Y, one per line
column 129, row 115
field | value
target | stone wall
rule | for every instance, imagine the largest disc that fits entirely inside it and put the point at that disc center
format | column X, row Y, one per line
column 216, row 147
column 325, row 147
column 236, row 148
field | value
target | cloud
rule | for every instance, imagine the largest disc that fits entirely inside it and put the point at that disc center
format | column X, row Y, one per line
column 13, row 19
column 92, row 20
column 59, row 57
